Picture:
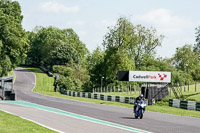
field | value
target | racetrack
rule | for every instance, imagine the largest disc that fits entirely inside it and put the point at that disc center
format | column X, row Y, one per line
column 152, row 121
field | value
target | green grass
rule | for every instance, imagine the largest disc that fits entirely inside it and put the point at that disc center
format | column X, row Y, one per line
column 188, row 95
column 191, row 94
column 172, row 110
column 45, row 86
column 43, row 82
column 14, row 124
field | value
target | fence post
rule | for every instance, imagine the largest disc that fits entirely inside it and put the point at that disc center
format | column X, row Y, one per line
column 134, row 89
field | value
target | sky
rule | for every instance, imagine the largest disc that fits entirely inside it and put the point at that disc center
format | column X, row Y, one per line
column 90, row 19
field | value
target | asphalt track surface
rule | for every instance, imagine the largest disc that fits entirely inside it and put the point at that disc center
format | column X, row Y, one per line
column 152, row 121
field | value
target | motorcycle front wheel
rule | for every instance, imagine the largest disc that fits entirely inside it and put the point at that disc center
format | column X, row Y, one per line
column 141, row 116
column 136, row 116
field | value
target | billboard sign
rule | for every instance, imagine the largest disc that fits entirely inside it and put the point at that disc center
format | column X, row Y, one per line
column 149, row 76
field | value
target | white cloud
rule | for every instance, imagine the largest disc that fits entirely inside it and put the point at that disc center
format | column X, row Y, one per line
column 58, row 8
column 176, row 29
column 165, row 22
column 82, row 33
column 76, row 23
column 108, row 23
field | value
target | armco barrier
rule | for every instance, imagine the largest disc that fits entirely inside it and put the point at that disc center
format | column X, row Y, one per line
column 129, row 100
column 171, row 102
column 189, row 105
column 183, row 104
column 198, row 106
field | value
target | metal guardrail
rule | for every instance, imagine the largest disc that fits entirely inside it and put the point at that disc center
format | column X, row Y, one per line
column 129, row 100
column 189, row 105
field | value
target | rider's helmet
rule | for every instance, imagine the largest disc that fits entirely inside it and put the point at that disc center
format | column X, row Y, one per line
column 141, row 96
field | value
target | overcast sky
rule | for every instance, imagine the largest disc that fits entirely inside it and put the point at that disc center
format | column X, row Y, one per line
column 175, row 19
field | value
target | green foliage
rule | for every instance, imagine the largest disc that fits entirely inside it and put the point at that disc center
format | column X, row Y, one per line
column 63, row 70
column 52, row 46
column 128, row 47
column 197, row 45
column 80, row 48
column 146, row 43
column 60, row 51
column 178, row 77
column 5, row 65
column 13, row 39
column 95, row 67
column 118, row 43
column 72, row 77
column 186, row 60
column 67, row 83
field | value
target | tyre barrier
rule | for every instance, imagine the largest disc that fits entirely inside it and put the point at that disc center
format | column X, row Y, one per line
column 189, row 105
column 198, row 106
column 121, row 99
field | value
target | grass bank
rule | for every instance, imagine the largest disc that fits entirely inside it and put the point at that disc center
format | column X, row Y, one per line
column 14, row 124
column 191, row 95
column 44, row 85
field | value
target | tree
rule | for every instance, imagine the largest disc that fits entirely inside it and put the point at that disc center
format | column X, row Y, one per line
column 95, row 66
column 197, row 45
column 53, row 46
column 146, row 43
column 185, row 57
column 79, row 46
column 118, row 42
column 60, row 51
column 187, row 61
column 13, row 39
column 128, row 47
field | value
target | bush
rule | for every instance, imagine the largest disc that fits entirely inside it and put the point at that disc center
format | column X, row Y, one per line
column 62, row 70
column 67, row 83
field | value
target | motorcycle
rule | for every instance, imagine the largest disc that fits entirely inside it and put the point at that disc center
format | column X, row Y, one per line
column 140, row 109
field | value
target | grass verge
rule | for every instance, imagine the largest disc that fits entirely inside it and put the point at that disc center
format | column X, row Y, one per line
column 44, row 85
column 14, row 124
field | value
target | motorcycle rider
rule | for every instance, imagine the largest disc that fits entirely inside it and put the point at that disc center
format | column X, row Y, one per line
column 137, row 100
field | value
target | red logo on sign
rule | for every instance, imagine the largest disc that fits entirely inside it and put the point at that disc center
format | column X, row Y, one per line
column 162, row 76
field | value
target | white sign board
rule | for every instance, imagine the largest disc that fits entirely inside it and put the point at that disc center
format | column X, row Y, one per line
column 149, row 76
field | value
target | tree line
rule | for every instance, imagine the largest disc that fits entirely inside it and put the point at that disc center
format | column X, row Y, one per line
column 125, row 47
